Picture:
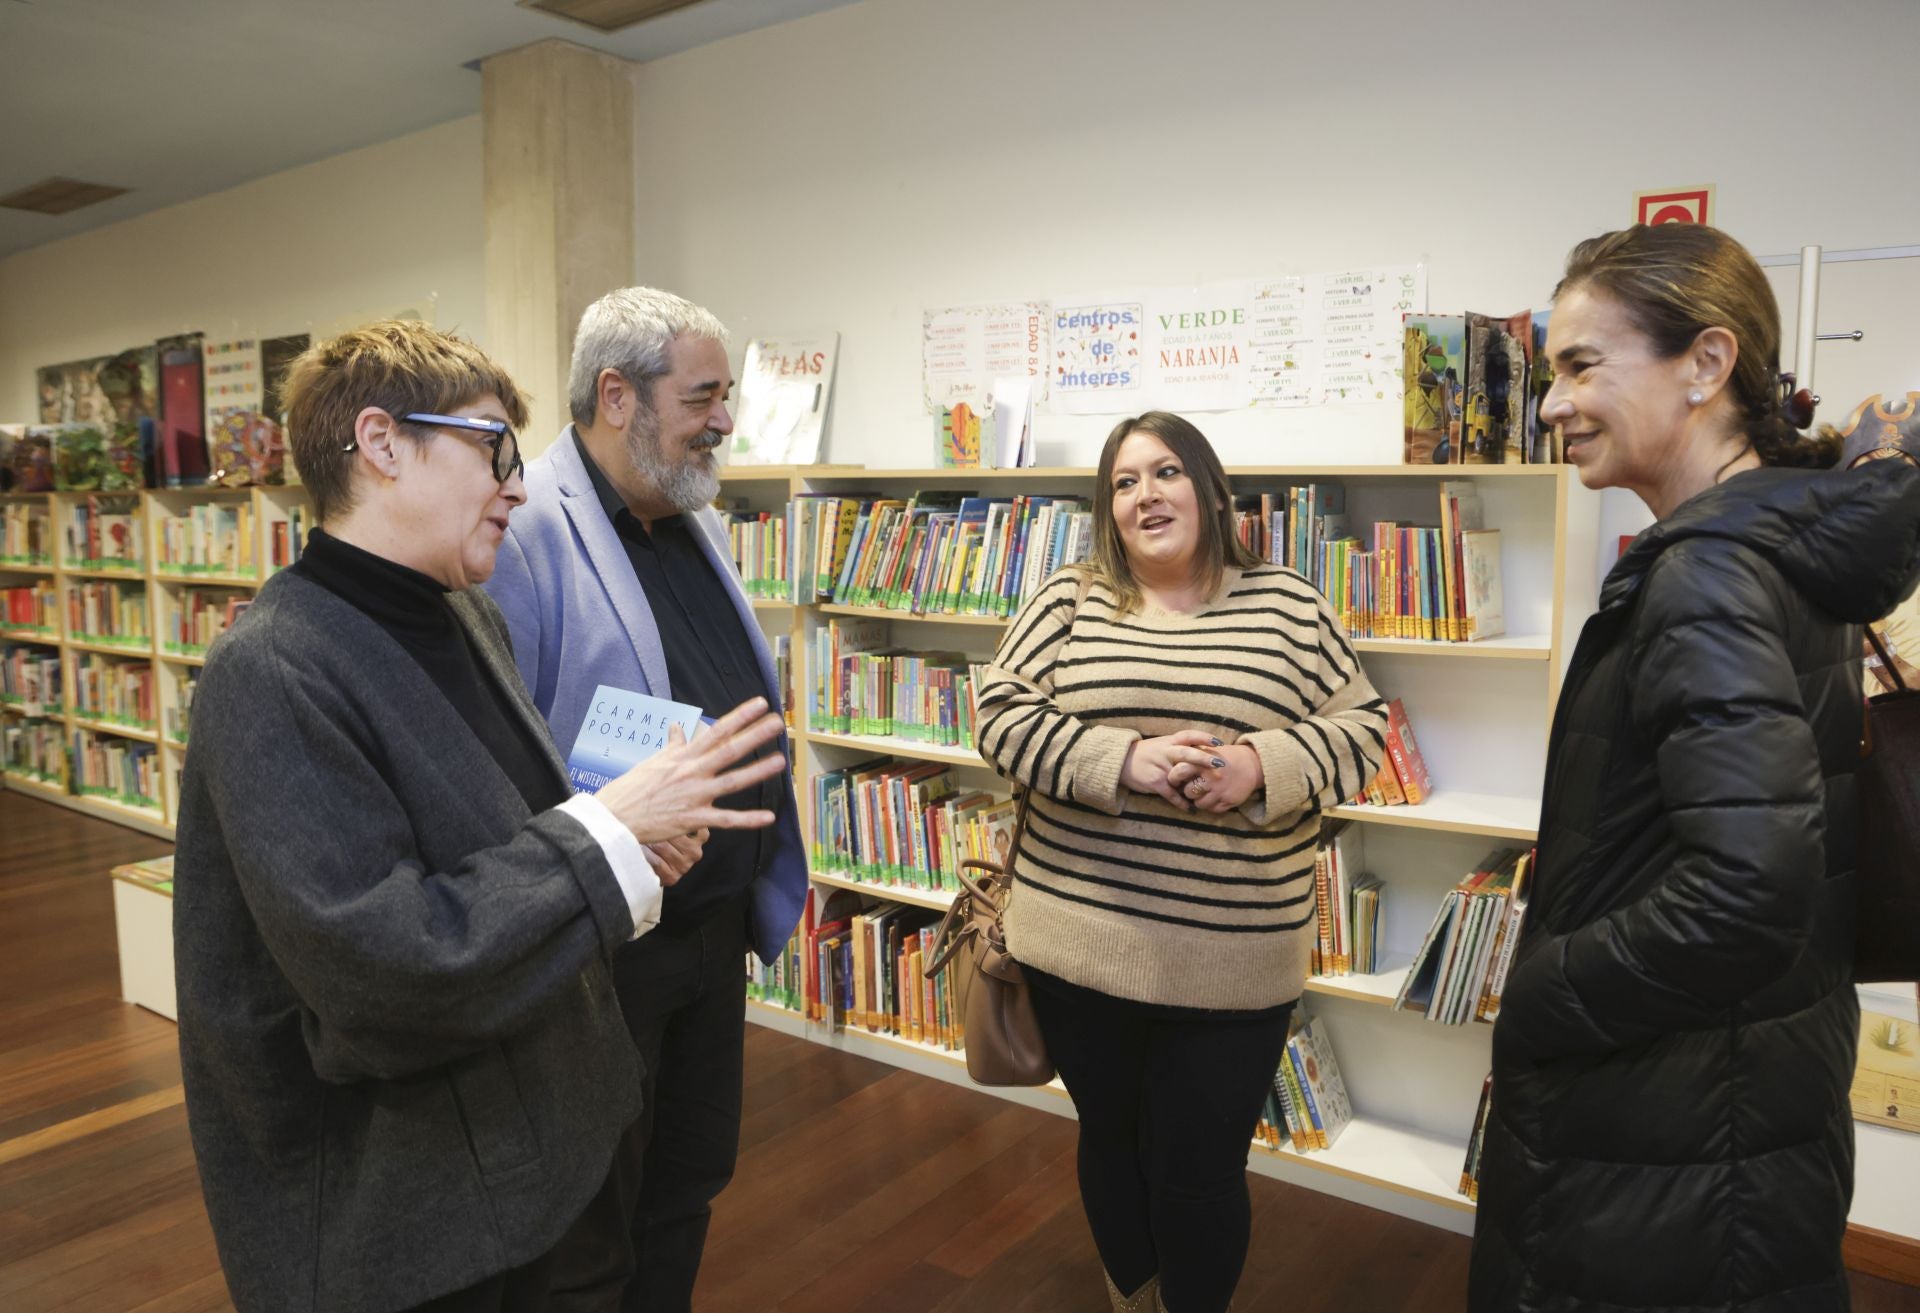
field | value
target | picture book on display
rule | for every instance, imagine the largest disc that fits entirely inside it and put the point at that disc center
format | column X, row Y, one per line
column 1473, row 385
column 1461, row 969
column 1308, row 1106
column 786, row 385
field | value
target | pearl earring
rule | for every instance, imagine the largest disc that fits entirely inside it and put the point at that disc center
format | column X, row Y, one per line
column 1696, row 398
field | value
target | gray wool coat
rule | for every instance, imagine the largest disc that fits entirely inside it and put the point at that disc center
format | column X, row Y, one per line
column 405, row 1068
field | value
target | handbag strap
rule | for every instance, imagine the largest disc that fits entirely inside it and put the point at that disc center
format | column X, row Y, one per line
column 1886, row 659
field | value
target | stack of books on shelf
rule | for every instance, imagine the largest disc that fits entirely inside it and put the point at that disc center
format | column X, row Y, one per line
column 906, row 824
column 178, row 715
column 30, row 679
column 25, row 538
column 118, row 769
column 290, row 536
column 1403, row 778
column 1347, row 901
column 858, row 689
column 780, row 983
column 32, row 608
column 758, row 540
column 110, row 613
column 1470, row 1169
column 103, row 533
column 936, row 553
column 1308, row 1107
column 36, row 749
column 863, row 969
column 1440, row 584
column 200, row 616
column 115, row 691
column 214, row 538
column 1461, row 968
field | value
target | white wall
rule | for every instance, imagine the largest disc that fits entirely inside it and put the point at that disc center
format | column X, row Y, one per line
column 363, row 234
column 851, row 169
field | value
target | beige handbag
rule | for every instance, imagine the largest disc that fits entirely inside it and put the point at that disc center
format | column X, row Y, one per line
column 1003, row 1041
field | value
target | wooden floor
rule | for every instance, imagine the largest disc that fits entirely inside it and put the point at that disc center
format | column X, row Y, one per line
column 861, row 1189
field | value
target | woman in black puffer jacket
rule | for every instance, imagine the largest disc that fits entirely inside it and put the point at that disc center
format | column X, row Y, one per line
column 1669, row 1126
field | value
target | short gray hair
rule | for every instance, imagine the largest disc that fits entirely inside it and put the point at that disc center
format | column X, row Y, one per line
column 630, row 329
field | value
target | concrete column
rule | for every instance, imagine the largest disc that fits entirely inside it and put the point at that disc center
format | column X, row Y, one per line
column 557, row 124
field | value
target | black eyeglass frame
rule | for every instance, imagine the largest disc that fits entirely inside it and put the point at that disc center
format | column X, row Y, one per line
column 499, row 438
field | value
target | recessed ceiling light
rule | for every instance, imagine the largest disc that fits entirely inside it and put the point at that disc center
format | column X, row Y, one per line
column 59, row 196
column 607, row 15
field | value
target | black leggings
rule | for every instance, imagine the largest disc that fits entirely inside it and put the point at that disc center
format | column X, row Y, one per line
column 1168, row 1105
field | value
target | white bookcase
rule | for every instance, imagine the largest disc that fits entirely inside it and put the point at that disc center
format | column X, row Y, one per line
column 168, row 585
column 1480, row 711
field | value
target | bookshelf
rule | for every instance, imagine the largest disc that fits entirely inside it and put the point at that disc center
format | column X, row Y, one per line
column 1481, row 712
column 123, row 570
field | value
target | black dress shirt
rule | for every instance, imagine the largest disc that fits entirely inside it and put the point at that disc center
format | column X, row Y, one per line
column 710, row 665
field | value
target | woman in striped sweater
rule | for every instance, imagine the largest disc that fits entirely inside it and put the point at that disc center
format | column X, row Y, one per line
column 1179, row 713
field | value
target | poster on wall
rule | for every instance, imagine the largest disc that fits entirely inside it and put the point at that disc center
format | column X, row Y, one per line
column 1098, row 366
column 1200, row 347
column 786, row 384
column 1283, row 355
column 1332, row 338
column 106, row 407
column 965, row 348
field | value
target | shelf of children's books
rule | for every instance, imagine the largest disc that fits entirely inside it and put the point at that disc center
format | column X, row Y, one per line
column 42, row 636
column 1379, row 987
column 175, row 575
column 956, row 756
column 21, row 567
column 139, row 647
column 1381, row 1154
column 36, row 787
column 185, row 658
column 1523, row 647
column 886, row 613
column 104, row 572
column 938, row 899
column 1457, row 812
column 109, row 727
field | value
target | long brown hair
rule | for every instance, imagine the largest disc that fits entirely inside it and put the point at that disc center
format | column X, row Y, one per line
column 1219, row 546
column 1675, row 281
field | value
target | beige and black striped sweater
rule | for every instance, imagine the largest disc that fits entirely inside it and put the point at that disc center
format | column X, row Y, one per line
column 1122, row 892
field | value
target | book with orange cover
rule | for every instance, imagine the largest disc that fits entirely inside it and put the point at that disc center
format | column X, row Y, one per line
column 1404, row 751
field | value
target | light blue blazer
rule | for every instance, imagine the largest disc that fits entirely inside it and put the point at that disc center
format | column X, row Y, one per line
column 579, row 619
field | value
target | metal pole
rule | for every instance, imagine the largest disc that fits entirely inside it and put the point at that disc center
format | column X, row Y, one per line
column 1807, row 323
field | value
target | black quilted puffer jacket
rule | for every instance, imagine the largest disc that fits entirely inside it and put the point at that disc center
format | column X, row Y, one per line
column 1670, row 1126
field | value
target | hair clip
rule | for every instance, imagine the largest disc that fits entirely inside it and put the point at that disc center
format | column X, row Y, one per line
column 1795, row 403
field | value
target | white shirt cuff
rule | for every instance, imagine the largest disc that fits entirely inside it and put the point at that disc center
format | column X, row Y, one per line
column 632, row 867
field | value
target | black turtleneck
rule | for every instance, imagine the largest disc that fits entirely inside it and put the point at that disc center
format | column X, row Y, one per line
column 413, row 608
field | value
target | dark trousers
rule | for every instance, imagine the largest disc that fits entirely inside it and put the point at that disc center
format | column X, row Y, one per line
column 637, row 1248
column 523, row 1290
column 1168, row 1106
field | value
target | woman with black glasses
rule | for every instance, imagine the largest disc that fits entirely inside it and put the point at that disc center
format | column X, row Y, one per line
column 405, row 1068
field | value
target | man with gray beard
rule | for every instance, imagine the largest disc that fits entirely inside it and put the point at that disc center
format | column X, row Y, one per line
column 616, row 574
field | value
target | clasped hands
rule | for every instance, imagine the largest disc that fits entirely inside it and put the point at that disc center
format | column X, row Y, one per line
column 1193, row 770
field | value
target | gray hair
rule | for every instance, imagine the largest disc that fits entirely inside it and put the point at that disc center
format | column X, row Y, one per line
column 630, row 329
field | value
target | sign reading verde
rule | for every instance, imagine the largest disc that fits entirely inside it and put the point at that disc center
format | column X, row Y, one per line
column 621, row 730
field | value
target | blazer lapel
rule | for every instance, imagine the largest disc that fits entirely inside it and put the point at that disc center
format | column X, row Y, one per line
column 610, row 562
column 497, row 658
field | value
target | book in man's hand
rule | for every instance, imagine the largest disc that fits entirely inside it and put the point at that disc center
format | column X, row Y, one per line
column 620, row 730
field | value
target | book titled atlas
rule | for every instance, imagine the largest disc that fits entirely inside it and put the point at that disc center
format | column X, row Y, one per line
column 622, row 729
